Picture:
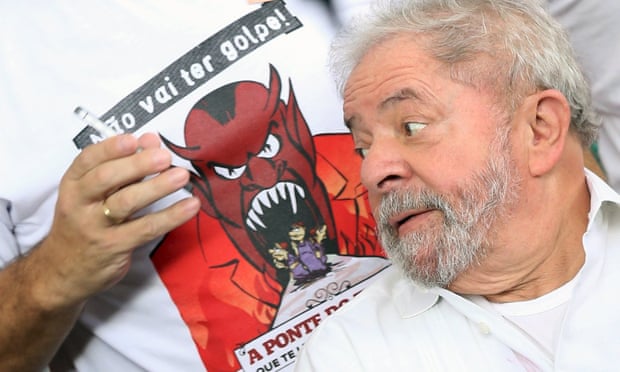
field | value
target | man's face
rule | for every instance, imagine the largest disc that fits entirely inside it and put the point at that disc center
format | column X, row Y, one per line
column 438, row 171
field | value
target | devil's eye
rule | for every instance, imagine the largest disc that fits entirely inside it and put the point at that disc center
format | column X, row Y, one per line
column 413, row 127
column 229, row 172
column 271, row 147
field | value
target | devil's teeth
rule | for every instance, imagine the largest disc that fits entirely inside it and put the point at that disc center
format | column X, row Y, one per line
column 291, row 190
column 253, row 217
column 256, row 207
column 261, row 198
column 282, row 191
column 269, row 197
column 273, row 194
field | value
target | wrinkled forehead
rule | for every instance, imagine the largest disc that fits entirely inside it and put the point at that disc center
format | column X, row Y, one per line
column 395, row 68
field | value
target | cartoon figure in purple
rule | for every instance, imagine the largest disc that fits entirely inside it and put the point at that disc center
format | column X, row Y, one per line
column 304, row 257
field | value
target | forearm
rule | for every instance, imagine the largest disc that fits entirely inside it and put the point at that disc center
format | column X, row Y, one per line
column 33, row 320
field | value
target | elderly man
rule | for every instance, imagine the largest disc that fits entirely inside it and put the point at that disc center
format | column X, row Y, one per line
column 471, row 117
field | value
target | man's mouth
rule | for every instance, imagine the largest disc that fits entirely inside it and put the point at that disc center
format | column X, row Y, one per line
column 398, row 221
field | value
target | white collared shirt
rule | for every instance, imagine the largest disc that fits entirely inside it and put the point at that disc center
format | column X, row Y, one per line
column 394, row 325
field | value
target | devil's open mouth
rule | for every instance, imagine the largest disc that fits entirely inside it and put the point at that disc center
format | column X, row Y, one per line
column 273, row 210
column 269, row 198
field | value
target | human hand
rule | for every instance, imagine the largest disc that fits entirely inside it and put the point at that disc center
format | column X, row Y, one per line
column 93, row 233
column 279, row 255
column 321, row 232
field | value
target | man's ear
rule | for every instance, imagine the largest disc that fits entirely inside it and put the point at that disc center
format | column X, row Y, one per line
column 548, row 115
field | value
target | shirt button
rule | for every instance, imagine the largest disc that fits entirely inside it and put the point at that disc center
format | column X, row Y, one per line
column 484, row 328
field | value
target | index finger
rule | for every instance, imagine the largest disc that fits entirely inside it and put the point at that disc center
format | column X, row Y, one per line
column 98, row 153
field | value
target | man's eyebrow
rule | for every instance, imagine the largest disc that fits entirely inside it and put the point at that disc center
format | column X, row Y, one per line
column 400, row 95
column 397, row 96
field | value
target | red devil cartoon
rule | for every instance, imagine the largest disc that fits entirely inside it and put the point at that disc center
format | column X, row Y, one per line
column 255, row 168
column 255, row 161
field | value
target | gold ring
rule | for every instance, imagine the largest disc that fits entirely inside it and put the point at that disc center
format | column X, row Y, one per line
column 108, row 213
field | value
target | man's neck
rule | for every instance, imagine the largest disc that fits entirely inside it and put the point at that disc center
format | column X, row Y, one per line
column 535, row 263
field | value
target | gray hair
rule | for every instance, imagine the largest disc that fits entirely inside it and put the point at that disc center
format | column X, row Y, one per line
column 512, row 46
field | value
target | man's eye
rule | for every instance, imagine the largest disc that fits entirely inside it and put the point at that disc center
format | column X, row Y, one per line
column 361, row 152
column 413, row 127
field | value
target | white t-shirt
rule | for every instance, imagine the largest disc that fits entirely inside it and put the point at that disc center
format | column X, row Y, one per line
column 192, row 300
column 541, row 318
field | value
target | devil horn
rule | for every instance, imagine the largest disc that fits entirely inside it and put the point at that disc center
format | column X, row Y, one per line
column 275, row 87
column 186, row 153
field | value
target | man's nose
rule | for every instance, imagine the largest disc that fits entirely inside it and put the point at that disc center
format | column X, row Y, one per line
column 386, row 165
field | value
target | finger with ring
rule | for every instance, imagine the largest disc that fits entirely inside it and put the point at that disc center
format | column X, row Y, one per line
column 108, row 213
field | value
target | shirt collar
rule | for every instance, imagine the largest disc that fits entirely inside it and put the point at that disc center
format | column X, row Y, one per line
column 600, row 192
column 414, row 299
column 411, row 299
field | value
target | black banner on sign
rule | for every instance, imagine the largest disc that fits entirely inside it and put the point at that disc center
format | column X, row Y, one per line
column 194, row 68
